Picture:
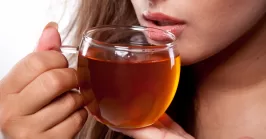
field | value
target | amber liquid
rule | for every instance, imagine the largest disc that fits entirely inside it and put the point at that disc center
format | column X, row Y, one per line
column 128, row 94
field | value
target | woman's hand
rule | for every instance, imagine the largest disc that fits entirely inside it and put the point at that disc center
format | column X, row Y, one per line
column 35, row 102
column 165, row 128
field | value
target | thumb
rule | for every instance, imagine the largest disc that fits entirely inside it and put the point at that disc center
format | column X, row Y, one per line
column 50, row 38
column 164, row 128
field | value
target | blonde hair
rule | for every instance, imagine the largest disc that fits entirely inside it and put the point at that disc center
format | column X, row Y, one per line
column 92, row 13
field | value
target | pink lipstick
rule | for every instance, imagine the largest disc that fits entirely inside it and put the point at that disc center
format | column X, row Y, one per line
column 164, row 22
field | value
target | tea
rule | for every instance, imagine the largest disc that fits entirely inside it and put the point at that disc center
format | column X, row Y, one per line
column 128, row 94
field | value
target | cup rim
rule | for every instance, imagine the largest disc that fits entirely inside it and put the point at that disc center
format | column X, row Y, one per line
column 104, row 45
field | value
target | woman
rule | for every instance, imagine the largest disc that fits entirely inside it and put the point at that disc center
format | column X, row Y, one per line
column 222, row 42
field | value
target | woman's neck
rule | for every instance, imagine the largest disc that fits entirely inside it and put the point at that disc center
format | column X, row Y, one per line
column 231, row 89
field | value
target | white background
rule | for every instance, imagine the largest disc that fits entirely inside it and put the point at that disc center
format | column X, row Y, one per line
column 21, row 23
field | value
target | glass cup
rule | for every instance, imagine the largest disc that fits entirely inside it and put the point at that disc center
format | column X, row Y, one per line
column 129, row 73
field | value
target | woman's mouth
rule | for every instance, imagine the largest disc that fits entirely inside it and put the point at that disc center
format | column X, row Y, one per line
column 164, row 22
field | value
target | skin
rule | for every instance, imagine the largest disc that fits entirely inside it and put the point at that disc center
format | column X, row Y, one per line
column 28, row 101
column 210, row 25
column 231, row 90
column 225, row 42
column 33, row 92
column 229, row 105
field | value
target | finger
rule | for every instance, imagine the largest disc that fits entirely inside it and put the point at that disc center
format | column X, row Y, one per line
column 164, row 128
column 171, row 125
column 151, row 132
column 29, row 68
column 69, row 127
column 50, row 38
column 61, row 108
column 44, row 89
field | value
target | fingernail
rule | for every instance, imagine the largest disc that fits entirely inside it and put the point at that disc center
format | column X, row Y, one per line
column 51, row 25
column 46, row 30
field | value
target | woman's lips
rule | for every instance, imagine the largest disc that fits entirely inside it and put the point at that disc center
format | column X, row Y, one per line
column 164, row 22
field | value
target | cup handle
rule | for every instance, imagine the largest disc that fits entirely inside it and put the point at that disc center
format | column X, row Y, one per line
column 69, row 49
column 71, row 54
